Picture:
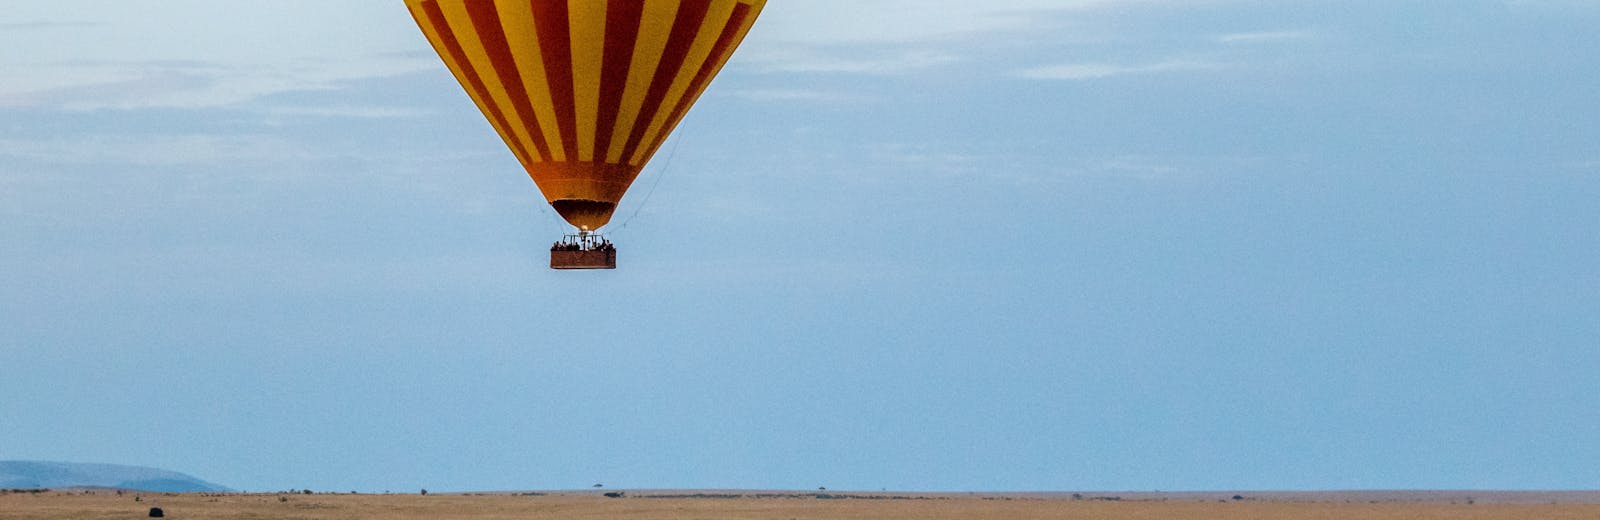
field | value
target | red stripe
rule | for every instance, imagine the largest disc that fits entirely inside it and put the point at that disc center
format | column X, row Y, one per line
column 474, row 82
column 622, row 32
column 725, row 43
column 555, row 43
column 493, row 37
column 691, row 13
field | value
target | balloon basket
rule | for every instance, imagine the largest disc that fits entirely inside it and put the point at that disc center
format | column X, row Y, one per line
column 583, row 251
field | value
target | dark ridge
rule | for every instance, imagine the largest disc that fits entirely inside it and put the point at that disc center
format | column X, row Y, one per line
column 18, row 474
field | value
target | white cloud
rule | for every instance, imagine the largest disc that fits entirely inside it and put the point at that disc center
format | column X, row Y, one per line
column 905, row 21
column 788, row 94
column 1574, row 5
column 158, row 84
column 41, row 26
column 345, row 111
column 1263, row 37
column 925, row 158
column 157, row 150
column 1164, row 167
column 1585, row 165
column 1138, row 166
column 1091, row 71
column 198, row 53
column 836, row 59
column 897, row 37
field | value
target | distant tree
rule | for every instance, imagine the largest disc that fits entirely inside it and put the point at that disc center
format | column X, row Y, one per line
column 305, row 491
column 424, row 492
column 1238, row 497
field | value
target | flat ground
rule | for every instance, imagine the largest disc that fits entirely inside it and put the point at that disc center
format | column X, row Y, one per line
column 758, row 505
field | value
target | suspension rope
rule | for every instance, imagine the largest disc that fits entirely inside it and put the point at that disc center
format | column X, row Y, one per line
column 548, row 218
column 682, row 134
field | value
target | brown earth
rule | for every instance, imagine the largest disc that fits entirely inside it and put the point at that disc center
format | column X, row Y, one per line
column 758, row 505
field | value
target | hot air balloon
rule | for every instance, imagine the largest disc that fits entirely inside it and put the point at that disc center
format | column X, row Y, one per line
column 584, row 92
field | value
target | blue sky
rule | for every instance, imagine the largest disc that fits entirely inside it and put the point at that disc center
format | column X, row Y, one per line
column 926, row 245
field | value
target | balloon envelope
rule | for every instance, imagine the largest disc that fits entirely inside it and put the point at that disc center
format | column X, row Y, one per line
column 584, row 91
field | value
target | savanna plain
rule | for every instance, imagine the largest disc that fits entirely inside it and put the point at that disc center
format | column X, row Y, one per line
column 754, row 505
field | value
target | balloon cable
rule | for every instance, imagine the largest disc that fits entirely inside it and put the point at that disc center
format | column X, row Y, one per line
column 665, row 167
column 550, row 219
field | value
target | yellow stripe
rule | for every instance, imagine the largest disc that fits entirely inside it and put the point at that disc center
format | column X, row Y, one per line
column 654, row 28
column 749, row 21
column 716, row 19
column 516, row 19
column 588, row 28
column 472, row 45
column 456, row 69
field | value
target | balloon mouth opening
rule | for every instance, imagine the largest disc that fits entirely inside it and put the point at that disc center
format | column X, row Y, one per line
column 586, row 215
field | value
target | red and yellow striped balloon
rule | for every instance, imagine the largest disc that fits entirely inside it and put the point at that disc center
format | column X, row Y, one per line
column 584, row 91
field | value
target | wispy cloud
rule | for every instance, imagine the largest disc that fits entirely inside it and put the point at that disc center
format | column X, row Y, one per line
column 969, row 160
column 1092, row 71
column 924, row 158
column 42, row 25
column 1591, row 166
column 909, row 21
column 900, row 37
column 789, row 94
column 1264, row 37
column 840, row 59
column 345, row 112
column 168, row 84
column 1158, row 167
column 157, row 150
column 1138, row 166
column 198, row 54
column 1576, row 5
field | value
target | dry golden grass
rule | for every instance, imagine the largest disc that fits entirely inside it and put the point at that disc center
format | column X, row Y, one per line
column 108, row 505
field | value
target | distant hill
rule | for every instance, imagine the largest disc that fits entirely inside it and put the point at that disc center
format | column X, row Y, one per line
column 26, row 474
